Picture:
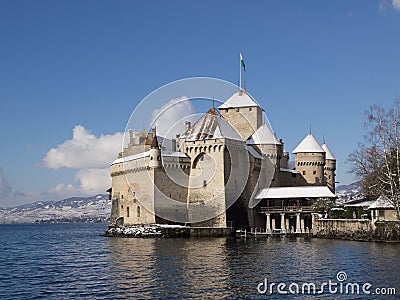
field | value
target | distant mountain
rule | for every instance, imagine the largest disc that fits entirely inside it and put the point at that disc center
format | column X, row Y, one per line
column 353, row 187
column 76, row 209
column 350, row 192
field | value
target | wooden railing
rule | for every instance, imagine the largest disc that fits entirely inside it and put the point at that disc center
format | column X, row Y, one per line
column 288, row 209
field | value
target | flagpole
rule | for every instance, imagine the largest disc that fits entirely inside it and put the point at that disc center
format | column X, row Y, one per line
column 240, row 71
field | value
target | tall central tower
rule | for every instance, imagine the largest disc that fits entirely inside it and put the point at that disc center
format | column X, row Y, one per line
column 243, row 113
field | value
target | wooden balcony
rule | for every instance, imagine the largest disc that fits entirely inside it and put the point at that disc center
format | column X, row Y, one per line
column 285, row 209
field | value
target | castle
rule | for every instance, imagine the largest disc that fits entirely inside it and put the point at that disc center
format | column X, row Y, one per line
column 226, row 170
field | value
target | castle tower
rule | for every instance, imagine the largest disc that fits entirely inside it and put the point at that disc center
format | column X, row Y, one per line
column 310, row 160
column 155, row 153
column 267, row 144
column 218, row 158
column 243, row 113
column 330, row 168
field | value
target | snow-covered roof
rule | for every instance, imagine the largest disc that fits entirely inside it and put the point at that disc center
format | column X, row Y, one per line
column 289, row 171
column 308, row 145
column 381, row 203
column 253, row 152
column 295, row 192
column 328, row 152
column 131, row 157
column 147, row 153
column 263, row 136
column 365, row 204
column 211, row 126
column 173, row 154
column 239, row 99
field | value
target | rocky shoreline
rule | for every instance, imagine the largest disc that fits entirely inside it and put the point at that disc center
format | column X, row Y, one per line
column 148, row 231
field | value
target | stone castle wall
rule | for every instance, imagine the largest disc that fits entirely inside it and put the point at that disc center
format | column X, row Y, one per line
column 246, row 120
column 311, row 167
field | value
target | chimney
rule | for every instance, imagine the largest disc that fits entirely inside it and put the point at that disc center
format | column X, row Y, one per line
column 187, row 126
column 174, row 145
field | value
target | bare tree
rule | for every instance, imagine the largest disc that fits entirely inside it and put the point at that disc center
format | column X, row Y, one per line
column 377, row 160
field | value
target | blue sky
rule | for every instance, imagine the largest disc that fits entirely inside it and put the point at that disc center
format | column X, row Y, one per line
column 84, row 65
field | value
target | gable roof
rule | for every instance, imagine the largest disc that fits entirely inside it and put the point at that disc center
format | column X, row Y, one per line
column 263, row 136
column 211, row 126
column 308, row 145
column 381, row 203
column 295, row 192
column 239, row 99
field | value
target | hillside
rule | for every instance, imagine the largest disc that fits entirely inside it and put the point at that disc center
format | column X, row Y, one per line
column 76, row 209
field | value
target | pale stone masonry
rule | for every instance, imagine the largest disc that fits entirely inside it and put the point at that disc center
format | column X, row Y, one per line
column 218, row 172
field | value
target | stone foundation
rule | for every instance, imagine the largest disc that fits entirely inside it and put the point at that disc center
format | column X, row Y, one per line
column 358, row 230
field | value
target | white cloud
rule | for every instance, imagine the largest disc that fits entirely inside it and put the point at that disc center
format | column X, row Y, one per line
column 382, row 5
column 84, row 150
column 63, row 190
column 93, row 181
column 396, row 4
column 5, row 188
column 169, row 118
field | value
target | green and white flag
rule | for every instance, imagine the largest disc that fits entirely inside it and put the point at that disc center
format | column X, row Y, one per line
column 242, row 62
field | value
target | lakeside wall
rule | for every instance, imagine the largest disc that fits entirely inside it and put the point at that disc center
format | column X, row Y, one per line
column 357, row 229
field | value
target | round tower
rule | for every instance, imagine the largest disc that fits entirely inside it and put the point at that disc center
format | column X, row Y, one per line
column 310, row 161
column 269, row 146
column 155, row 153
column 330, row 168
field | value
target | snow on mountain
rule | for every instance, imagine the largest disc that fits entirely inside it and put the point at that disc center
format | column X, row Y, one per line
column 76, row 209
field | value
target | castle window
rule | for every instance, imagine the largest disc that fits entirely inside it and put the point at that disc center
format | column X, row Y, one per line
column 227, row 110
column 314, row 172
column 122, row 196
column 205, row 183
column 122, row 206
column 138, row 211
column 304, row 172
column 250, row 108
column 151, row 157
column 237, row 109
column 127, row 212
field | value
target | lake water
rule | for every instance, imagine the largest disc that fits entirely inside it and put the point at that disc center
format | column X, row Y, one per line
column 69, row 261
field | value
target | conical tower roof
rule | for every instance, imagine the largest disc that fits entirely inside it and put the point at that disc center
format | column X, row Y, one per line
column 308, row 145
column 328, row 152
column 239, row 99
column 154, row 143
column 263, row 136
column 211, row 126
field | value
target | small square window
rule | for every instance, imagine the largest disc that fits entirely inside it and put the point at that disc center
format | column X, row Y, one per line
column 250, row 108
column 314, row 172
column 304, row 172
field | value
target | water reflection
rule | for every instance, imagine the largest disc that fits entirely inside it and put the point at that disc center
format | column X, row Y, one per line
column 232, row 268
column 165, row 268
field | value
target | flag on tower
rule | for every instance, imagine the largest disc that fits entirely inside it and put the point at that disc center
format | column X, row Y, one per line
column 242, row 62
